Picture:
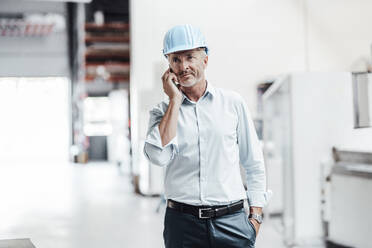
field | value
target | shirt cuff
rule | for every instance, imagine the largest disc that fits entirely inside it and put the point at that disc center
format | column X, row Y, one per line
column 154, row 139
column 258, row 198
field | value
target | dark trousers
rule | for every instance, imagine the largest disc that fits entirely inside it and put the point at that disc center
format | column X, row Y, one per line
column 182, row 230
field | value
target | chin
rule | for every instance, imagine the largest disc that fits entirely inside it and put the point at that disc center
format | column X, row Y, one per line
column 188, row 83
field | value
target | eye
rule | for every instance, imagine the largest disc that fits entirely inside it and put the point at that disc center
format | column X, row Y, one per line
column 175, row 59
column 190, row 57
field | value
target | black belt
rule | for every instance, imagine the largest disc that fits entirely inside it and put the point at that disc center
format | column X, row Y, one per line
column 206, row 212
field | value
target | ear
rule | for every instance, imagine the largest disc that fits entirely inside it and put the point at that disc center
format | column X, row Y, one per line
column 205, row 61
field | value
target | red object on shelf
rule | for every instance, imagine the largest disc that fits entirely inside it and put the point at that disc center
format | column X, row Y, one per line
column 16, row 28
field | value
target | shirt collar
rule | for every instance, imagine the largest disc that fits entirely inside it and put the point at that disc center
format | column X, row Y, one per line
column 208, row 90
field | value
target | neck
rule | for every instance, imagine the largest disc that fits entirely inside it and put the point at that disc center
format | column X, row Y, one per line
column 196, row 91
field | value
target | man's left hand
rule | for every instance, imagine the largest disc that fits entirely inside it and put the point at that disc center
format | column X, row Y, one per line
column 256, row 225
column 255, row 210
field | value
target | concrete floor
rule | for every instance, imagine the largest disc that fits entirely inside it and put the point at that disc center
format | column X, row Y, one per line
column 81, row 206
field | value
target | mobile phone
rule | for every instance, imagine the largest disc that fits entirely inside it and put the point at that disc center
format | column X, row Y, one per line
column 174, row 81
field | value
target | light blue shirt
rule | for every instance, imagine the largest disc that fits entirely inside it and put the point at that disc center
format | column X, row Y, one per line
column 214, row 135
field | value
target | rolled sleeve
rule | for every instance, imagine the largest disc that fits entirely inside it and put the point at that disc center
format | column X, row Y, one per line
column 258, row 198
column 251, row 158
column 153, row 149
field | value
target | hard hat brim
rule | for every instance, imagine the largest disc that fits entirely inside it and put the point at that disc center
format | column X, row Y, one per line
column 183, row 48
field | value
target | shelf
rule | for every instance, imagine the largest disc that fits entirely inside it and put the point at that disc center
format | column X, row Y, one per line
column 115, row 39
column 108, row 63
column 107, row 52
column 103, row 59
column 110, row 79
column 107, row 26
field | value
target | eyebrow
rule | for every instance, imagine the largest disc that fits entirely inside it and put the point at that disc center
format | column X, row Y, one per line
column 184, row 54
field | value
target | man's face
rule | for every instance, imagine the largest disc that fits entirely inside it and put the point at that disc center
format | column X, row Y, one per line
column 188, row 66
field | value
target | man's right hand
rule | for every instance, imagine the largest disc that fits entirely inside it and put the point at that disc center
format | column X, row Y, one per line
column 169, row 87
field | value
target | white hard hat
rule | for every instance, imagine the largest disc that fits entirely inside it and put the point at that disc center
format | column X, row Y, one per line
column 183, row 37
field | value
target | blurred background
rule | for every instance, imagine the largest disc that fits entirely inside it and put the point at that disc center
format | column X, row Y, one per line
column 77, row 81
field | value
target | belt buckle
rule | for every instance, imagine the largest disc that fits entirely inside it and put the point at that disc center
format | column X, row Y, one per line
column 201, row 213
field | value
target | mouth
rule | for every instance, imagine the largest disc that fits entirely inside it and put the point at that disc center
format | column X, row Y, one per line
column 186, row 75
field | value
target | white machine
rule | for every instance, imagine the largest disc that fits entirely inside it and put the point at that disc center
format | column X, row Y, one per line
column 305, row 115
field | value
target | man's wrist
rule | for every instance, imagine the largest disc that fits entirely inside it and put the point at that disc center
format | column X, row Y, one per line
column 256, row 217
column 255, row 210
column 176, row 100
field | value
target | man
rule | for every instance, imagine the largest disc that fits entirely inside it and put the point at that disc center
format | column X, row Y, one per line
column 200, row 135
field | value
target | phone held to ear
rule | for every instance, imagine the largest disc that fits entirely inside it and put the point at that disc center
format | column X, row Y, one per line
column 174, row 81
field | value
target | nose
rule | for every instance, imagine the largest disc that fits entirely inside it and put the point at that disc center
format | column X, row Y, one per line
column 184, row 65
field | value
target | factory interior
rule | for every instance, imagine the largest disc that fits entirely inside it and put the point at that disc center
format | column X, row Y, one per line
column 78, row 79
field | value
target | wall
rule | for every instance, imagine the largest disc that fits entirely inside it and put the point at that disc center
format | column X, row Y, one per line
column 338, row 34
